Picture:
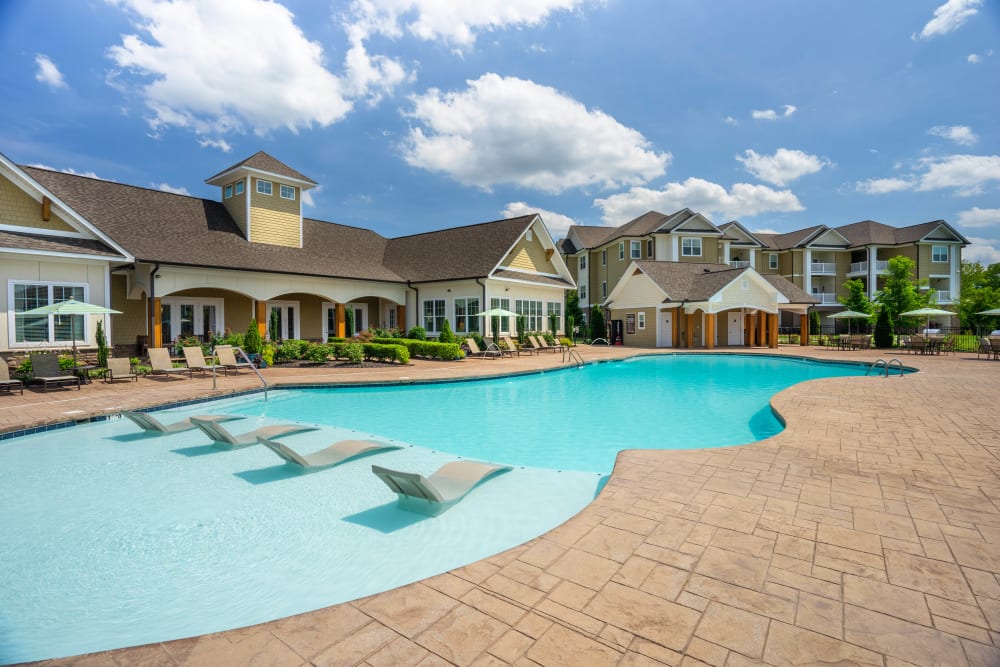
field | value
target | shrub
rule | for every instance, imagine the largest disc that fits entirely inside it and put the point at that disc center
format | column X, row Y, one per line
column 317, row 352
column 252, row 342
column 417, row 333
column 446, row 335
column 354, row 352
column 422, row 348
column 476, row 336
column 267, row 354
column 597, row 327
column 102, row 346
column 814, row 326
column 349, row 321
column 565, row 342
column 382, row 352
column 883, row 329
column 520, row 325
column 291, row 349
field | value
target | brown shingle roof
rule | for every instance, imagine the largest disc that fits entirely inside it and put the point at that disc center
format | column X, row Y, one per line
column 793, row 239
column 472, row 251
column 592, row 236
column 697, row 281
column 869, row 232
column 790, row 290
column 163, row 227
column 264, row 162
column 47, row 243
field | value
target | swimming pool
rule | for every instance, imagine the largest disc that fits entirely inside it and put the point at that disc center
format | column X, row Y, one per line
column 115, row 539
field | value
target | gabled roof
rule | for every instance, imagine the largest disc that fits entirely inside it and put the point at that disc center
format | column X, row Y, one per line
column 162, row 227
column 796, row 239
column 588, row 236
column 261, row 161
column 734, row 231
column 790, row 290
column 473, row 251
column 870, row 232
column 648, row 223
column 49, row 243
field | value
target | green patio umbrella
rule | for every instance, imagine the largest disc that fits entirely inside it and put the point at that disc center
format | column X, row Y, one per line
column 849, row 315
column 498, row 313
column 72, row 307
column 928, row 313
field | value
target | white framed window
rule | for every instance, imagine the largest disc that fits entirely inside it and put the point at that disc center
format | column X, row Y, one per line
column 642, row 321
column 191, row 316
column 467, row 314
column 772, row 261
column 691, row 247
column 264, row 187
column 227, row 191
column 621, row 250
column 635, row 248
column 528, row 236
column 286, row 192
column 649, row 249
column 390, row 317
column 583, row 294
column 239, row 187
column 583, row 262
column 939, row 253
column 283, row 320
column 433, row 315
column 604, row 257
column 502, row 322
column 553, row 308
column 26, row 330
column 604, row 289
column 532, row 312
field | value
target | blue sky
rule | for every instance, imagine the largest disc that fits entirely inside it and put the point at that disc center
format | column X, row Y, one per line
column 416, row 115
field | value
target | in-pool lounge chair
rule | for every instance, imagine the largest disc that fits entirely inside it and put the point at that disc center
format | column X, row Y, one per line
column 45, row 369
column 8, row 384
column 335, row 454
column 226, row 440
column 227, row 359
column 195, row 360
column 153, row 425
column 120, row 368
column 159, row 361
column 491, row 352
column 437, row 493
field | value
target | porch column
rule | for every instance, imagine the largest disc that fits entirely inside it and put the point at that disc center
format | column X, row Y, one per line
column 675, row 327
column 260, row 314
column 709, row 331
column 748, row 327
column 156, row 324
column 803, row 329
column 341, row 322
column 689, row 330
column 762, row 326
column 774, row 319
column 401, row 317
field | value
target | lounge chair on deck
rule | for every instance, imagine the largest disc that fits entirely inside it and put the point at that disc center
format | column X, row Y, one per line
column 228, row 360
column 195, row 360
column 226, row 440
column 335, row 454
column 491, row 352
column 120, row 368
column 45, row 369
column 513, row 349
column 437, row 493
column 540, row 343
column 159, row 361
column 8, row 384
column 984, row 348
column 151, row 424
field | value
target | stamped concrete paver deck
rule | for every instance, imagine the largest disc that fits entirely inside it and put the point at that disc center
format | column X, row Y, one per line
column 865, row 533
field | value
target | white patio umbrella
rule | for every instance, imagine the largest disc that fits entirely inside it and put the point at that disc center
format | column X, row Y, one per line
column 496, row 312
column 992, row 311
column 72, row 307
column 849, row 315
column 928, row 313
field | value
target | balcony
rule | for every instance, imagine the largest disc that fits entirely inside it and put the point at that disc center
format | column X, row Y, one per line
column 940, row 296
column 739, row 264
column 823, row 268
column 826, row 298
column 881, row 266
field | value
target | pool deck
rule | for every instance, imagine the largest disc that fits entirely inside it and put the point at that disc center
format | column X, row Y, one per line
column 866, row 533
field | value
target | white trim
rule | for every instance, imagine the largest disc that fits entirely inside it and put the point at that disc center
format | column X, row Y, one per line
column 530, row 273
column 281, row 195
column 40, row 231
column 269, row 175
column 257, row 190
column 11, row 315
column 296, row 328
column 175, row 302
column 52, row 253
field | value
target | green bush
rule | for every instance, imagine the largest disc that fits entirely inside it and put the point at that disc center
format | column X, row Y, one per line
column 519, row 324
column 476, row 336
column 883, row 329
column 417, row 333
column 597, row 326
column 389, row 353
column 565, row 342
column 252, row 341
column 355, row 352
column 317, row 352
column 267, row 354
column 425, row 348
column 291, row 350
column 446, row 335
column 102, row 346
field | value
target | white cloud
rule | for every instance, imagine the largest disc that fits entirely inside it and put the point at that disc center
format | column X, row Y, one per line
column 743, row 199
column 950, row 17
column 47, row 72
column 980, row 217
column 201, row 65
column 975, row 58
column 508, row 130
column 967, row 173
column 309, row 196
column 771, row 114
column 453, row 22
column 221, row 144
column 984, row 251
column 166, row 187
column 764, row 230
column 881, row 186
column 729, row 120
column 557, row 223
column 782, row 167
column 960, row 134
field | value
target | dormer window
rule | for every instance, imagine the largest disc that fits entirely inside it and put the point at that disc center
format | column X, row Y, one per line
column 239, row 188
column 527, row 235
column 287, row 192
column 227, row 191
column 264, row 187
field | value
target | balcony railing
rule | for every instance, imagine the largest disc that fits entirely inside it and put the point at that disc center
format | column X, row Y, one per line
column 825, row 298
column 823, row 268
column 940, row 296
column 881, row 266
column 739, row 264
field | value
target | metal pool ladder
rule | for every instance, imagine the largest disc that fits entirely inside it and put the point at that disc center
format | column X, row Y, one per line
column 569, row 354
column 255, row 369
column 886, row 365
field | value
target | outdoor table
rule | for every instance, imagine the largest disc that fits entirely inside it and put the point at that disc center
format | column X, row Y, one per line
column 83, row 372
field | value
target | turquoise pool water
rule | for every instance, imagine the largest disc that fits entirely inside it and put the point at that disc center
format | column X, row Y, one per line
column 112, row 538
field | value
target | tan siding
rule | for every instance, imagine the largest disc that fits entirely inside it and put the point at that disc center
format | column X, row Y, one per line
column 126, row 328
column 274, row 220
column 237, row 207
column 642, row 337
column 18, row 208
column 529, row 256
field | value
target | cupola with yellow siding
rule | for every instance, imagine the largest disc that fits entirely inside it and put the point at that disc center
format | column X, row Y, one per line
column 264, row 197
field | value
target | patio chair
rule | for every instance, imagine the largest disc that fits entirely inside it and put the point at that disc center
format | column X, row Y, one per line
column 918, row 344
column 45, row 369
column 995, row 346
column 159, row 361
column 335, row 454
column 120, row 368
column 538, row 344
column 439, row 492
column 6, row 382
column 514, row 349
column 195, row 360
column 949, row 344
column 151, row 424
column 226, row 440
column 984, row 348
column 491, row 352
column 228, row 360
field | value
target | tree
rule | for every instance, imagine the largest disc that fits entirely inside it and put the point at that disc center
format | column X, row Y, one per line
column 446, row 336
column 980, row 291
column 102, row 346
column 856, row 299
column 814, row 323
column 252, row 342
column 900, row 292
column 597, row 326
column 349, row 322
column 274, row 325
column 573, row 307
column 883, row 329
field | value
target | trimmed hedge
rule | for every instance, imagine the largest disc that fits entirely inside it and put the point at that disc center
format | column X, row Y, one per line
column 381, row 352
column 424, row 348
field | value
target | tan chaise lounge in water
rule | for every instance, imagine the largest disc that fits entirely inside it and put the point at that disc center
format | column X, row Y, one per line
column 223, row 438
column 152, row 425
column 437, row 493
column 335, row 454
